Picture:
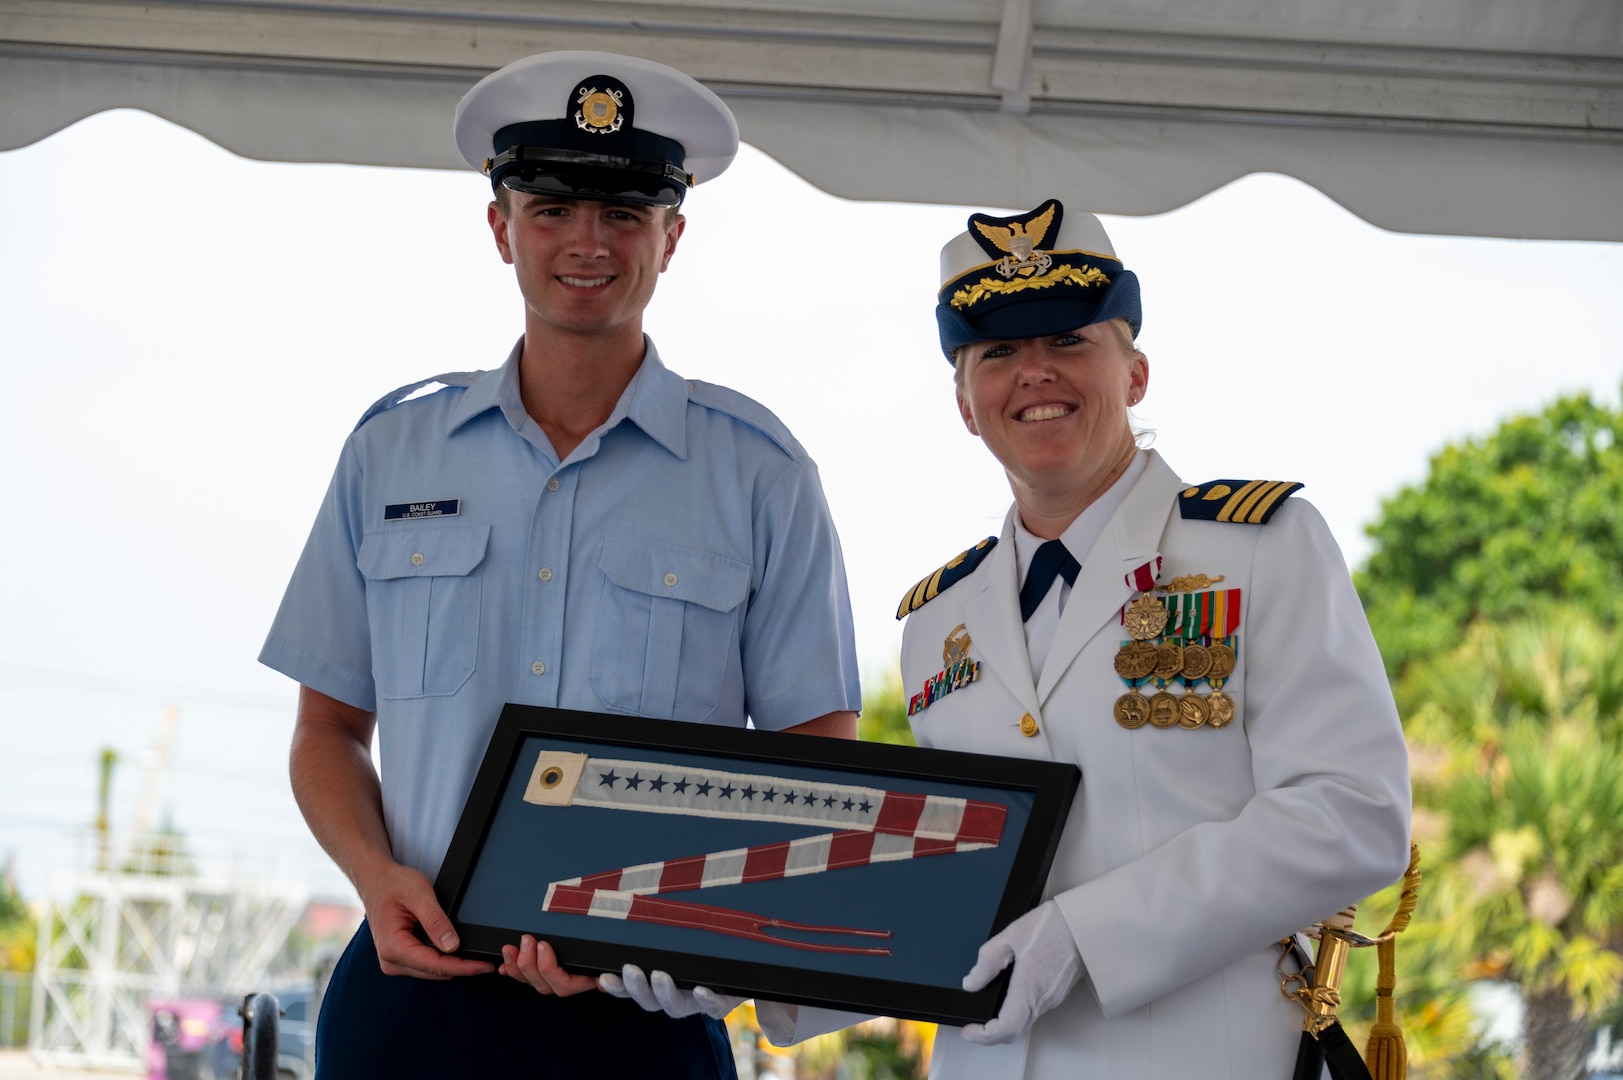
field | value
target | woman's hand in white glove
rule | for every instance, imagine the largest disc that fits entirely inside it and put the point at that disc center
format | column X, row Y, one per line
column 1046, row 966
column 658, row 992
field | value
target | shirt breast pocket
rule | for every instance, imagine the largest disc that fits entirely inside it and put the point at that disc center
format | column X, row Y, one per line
column 422, row 601
column 666, row 628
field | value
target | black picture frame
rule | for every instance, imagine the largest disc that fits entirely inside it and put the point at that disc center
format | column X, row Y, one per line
column 930, row 914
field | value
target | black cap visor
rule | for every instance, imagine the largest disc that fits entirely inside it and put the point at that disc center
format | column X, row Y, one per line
column 576, row 175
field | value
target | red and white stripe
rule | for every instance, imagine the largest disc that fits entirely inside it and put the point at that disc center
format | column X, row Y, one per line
column 906, row 826
column 1143, row 577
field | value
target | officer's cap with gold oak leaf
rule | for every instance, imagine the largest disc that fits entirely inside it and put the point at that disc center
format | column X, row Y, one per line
column 1030, row 275
column 595, row 125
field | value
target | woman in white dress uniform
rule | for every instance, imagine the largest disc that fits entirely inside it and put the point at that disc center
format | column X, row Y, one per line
column 1196, row 649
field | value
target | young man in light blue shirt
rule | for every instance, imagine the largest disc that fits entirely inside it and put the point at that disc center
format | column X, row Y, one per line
column 579, row 528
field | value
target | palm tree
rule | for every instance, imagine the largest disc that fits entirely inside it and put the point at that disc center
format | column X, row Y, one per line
column 1523, row 728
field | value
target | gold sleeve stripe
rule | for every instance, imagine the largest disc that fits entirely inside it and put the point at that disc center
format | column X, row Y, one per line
column 1243, row 512
column 907, row 603
column 1259, row 513
column 959, row 567
column 1236, row 499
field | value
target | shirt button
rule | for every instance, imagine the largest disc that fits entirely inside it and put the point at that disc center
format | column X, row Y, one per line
column 670, row 581
column 417, row 559
column 1028, row 726
column 545, row 573
column 552, row 485
column 538, row 668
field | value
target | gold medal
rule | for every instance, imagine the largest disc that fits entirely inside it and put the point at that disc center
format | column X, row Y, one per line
column 1221, row 709
column 1197, row 661
column 1168, row 660
column 1132, row 710
column 1145, row 617
column 1222, row 661
column 1163, row 710
column 1192, row 710
column 1135, row 660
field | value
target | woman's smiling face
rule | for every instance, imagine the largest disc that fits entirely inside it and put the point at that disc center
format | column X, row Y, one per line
column 1053, row 409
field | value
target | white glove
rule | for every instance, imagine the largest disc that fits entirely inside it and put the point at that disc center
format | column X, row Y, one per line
column 659, row 993
column 1046, row 966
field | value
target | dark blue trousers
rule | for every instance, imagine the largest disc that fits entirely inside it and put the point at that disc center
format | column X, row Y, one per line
column 489, row 1026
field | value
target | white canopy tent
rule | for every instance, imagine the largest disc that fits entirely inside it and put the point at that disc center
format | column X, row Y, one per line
column 1474, row 117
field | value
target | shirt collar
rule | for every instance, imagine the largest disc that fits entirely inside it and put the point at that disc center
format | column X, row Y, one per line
column 1080, row 535
column 491, row 390
column 655, row 400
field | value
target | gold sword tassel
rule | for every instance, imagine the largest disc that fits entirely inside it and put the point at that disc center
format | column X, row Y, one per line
column 1318, row 989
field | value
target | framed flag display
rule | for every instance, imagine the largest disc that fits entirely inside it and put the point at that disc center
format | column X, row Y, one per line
column 826, row 872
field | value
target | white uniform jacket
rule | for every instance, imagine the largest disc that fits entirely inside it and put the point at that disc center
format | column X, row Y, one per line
column 1187, row 853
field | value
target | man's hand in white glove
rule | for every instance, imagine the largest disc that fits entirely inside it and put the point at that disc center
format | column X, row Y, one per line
column 659, row 993
column 1046, row 966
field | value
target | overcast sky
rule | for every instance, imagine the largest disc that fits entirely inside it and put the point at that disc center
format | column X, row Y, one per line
column 186, row 337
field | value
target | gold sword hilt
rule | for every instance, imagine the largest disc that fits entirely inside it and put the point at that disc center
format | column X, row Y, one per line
column 1320, row 992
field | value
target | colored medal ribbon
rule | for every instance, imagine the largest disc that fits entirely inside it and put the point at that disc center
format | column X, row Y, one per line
column 867, row 825
column 1183, row 632
column 1143, row 577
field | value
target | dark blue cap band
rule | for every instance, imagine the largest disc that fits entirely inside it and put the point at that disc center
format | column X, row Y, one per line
column 1037, row 312
column 567, row 135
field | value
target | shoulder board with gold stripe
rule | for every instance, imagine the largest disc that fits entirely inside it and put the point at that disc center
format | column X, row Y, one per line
column 1240, row 502
column 956, row 570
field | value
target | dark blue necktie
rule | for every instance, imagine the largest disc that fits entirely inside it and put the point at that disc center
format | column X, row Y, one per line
column 1051, row 559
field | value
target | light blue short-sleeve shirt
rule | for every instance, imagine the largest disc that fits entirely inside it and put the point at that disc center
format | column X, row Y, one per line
column 681, row 563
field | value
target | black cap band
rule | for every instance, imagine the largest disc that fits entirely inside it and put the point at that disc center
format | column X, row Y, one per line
column 555, row 157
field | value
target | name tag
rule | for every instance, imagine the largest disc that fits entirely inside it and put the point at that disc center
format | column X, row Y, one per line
column 413, row 511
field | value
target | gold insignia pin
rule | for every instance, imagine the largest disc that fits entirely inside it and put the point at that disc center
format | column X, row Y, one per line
column 599, row 111
column 957, row 646
column 1192, row 583
column 1020, row 239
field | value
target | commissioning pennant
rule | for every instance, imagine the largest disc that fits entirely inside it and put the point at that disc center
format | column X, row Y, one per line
column 864, row 825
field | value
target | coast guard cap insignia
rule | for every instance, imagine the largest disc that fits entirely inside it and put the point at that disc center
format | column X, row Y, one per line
column 599, row 109
column 1016, row 243
column 602, row 105
column 1238, row 502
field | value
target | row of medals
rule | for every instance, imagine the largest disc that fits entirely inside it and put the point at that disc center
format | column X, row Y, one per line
column 1171, row 658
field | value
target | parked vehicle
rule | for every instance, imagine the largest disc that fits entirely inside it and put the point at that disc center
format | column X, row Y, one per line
column 183, row 1033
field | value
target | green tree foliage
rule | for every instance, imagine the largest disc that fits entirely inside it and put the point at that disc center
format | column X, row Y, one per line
column 884, row 711
column 1517, row 737
column 1502, row 526
column 19, row 930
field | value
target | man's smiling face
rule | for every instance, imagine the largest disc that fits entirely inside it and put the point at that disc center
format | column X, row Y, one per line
column 585, row 267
